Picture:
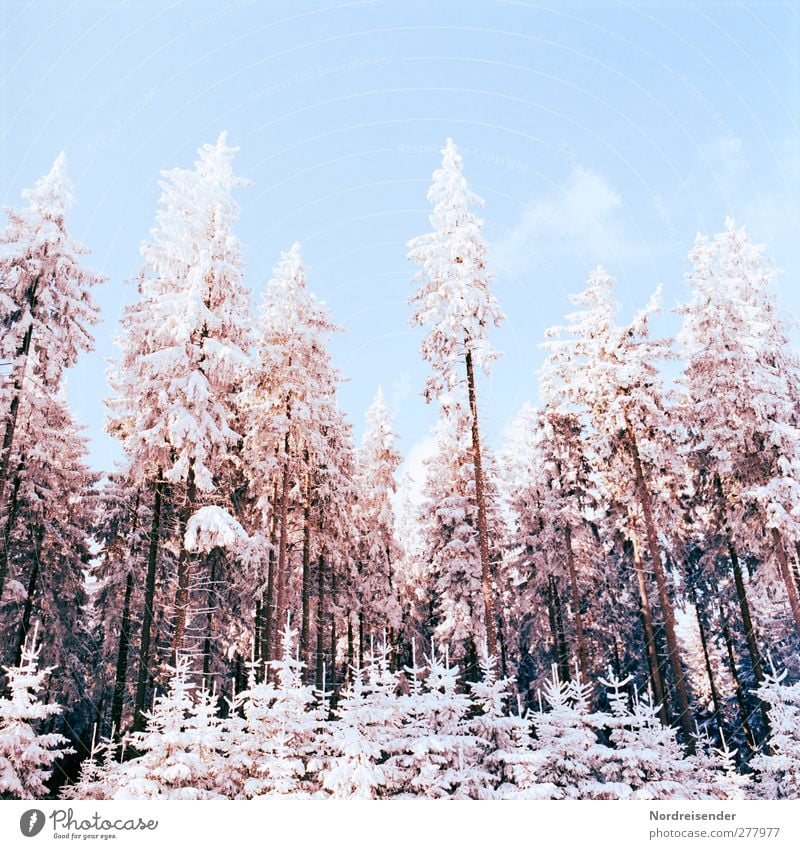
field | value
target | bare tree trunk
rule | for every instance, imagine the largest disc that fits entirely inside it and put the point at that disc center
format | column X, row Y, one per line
column 304, row 626
column 320, row 621
column 744, row 608
column 483, row 526
column 741, row 593
column 667, row 611
column 184, row 567
column 361, row 636
column 147, row 613
column 269, row 612
column 583, row 663
column 786, row 574
column 334, row 678
column 501, row 642
column 24, row 626
column 121, row 676
column 8, row 527
column 740, row 700
column 718, row 715
column 258, row 624
column 659, row 691
column 351, row 659
column 19, row 379
column 797, row 566
column 616, row 658
column 210, row 607
column 559, row 637
column 121, row 673
column 283, row 550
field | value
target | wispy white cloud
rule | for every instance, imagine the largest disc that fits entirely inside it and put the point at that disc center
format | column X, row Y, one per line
column 412, row 472
column 584, row 219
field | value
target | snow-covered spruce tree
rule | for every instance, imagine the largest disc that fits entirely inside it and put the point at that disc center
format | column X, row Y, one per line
column 378, row 549
column 184, row 356
column 46, row 314
column 442, row 756
column 741, row 399
column 272, row 732
column 27, row 756
column 181, row 749
column 288, row 406
column 368, row 735
column 100, row 762
column 647, row 762
column 509, row 758
column 609, row 374
column 449, row 523
column 778, row 772
column 455, row 302
column 716, row 772
column 568, row 759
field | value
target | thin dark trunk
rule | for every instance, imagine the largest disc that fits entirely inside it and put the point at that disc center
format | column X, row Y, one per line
column 740, row 699
column 333, row 653
column 616, row 658
column 304, row 626
column 483, row 525
column 181, row 603
column 121, row 677
column 283, row 549
column 361, row 633
column 472, row 667
column 651, row 647
column 718, row 715
column 741, row 594
column 27, row 611
column 667, row 611
column 269, row 609
column 788, row 579
column 147, row 613
column 210, row 603
column 239, row 678
column 269, row 612
column 8, row 527
column 583, row 663
column 320, row 621
column 258, row 624
column 501, row 641
column 351, row 647
column 559, row 637
column 744, row 608
column 19, row 379
column 797, row 566
column 121, row 674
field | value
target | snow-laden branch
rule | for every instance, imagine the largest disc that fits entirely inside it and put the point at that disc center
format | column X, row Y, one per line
column 214, row 527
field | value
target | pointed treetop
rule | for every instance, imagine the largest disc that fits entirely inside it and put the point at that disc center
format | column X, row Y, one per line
column 51, row 195
column 215, row 162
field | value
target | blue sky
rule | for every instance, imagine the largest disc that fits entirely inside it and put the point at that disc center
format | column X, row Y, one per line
column 597, row 132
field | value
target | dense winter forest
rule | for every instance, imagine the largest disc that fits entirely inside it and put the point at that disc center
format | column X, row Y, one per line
column 607, row 607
